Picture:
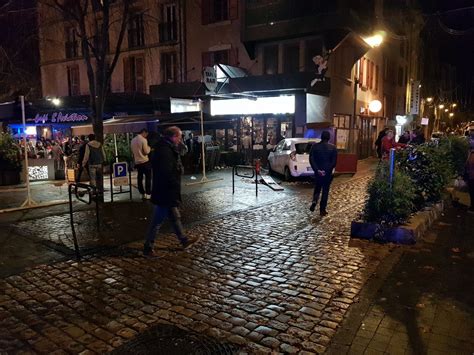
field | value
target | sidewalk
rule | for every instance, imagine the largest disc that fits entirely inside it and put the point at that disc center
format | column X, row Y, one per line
column 426, row 303
column 270, row 277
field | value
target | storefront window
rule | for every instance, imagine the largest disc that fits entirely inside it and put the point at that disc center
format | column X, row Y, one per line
column 271, row 132
column 220, row 138
column 258, row 133
column 286, row 129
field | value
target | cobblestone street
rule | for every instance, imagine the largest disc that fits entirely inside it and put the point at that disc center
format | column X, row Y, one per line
column 268, row 278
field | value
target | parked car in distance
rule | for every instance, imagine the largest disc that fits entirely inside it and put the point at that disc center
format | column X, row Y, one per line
column 290, row 157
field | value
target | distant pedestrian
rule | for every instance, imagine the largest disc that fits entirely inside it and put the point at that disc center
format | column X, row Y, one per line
column 80, row 159
column 94, row 157
column 247, row 147
column 404, row 138
column 417, row 137
column 166, row 189
column 378, row 142
column 469, row 178
column 388, row 142
column 323, row 158
column 140, row 150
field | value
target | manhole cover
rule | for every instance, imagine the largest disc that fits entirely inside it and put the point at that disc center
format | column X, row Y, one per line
column 168, row 339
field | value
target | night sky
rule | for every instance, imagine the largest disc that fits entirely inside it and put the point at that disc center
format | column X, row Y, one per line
column 450, row 24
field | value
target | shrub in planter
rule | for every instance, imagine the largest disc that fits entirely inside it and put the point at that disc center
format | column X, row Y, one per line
column 430, row 169
column 458, row 148
column 123, row 148
column 10, row 160
column 389, row 205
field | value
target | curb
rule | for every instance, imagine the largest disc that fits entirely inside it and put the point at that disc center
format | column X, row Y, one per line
column 408, row 233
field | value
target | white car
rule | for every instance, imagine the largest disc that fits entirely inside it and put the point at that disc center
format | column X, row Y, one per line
column 290, row 157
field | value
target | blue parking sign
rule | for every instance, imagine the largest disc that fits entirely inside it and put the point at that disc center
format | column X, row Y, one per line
column 120, row 170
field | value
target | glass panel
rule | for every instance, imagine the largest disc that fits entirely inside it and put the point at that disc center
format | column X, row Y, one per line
column 271, row 132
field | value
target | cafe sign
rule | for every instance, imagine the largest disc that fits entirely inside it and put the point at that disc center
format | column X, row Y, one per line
column 209, row 78
column 59, row 117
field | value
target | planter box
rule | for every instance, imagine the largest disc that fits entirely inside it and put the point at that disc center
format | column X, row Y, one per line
column 405, row 234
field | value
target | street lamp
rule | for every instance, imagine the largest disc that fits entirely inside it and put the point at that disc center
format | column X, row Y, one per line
column 454, row 105
column 429, row 99
column 441, row 106
column 375, row 106
column 451, row 114
column 56, row 102
column 375, row 40
column 446, row 110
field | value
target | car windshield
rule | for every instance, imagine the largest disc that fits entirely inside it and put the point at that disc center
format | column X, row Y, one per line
column 303, row 148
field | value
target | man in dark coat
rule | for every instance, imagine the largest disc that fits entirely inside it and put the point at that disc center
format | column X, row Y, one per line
column 322, row 157
column 166, row 190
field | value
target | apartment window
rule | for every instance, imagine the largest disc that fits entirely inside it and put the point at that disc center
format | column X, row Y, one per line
column 168, row 67
column 219, row 10
column 168, row 27
column 72, row 43
column 270, row 60
column 134, row 74
column 136, row 31
column 291, row 58
column 227, row 56
column 73, row 85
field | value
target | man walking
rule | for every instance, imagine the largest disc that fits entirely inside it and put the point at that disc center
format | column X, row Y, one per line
column 322, row 157
column 140, row 150
column 166, row 191
column 82, row 152
column 94, row 157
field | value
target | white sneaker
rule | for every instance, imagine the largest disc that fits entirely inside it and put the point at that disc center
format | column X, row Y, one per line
column 147, row 197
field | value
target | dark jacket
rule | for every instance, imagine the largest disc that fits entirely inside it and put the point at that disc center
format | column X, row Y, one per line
column 323, row 156
column 166, row 190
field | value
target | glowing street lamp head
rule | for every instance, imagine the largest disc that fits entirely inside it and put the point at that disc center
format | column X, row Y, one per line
column 454, row 105
column 375, row 40
column 441, row 106
column 375, row 106
column 429, row 99
column 451, row 114
column 446, row 110
column 56, row 102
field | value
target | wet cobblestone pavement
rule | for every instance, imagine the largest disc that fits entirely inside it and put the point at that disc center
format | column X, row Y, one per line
column 269, row 278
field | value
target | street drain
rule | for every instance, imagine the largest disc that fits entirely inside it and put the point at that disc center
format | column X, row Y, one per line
column 168, row 339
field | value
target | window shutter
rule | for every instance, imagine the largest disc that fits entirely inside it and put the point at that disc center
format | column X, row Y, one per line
column 233, row 9
column 127, row 77
column 140, row 74
column 234, row 57
column 206, row 59
column 376, row 78
column 206, row 11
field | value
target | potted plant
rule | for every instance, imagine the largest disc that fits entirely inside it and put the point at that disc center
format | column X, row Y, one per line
column 10, row 160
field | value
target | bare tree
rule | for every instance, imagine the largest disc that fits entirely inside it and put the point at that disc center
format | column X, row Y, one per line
column 93, row 21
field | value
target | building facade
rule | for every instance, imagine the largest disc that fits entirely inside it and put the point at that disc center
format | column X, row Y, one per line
column 150, row 53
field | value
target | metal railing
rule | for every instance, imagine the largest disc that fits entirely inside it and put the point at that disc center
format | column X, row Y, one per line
column 80, row 190
column 235, row 172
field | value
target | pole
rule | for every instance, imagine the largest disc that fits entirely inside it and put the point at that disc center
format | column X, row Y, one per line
column 204, row 178
column 115, row 147
column 29, row 201
column 392, row 165
column 203, row 149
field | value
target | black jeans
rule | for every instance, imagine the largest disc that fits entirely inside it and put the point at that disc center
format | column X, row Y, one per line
column 322, row 183
column 144, row 169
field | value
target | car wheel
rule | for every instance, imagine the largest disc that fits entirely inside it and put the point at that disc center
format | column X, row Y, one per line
column 287, row 174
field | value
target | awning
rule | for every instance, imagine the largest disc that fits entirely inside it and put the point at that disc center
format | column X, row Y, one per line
column 128, row 124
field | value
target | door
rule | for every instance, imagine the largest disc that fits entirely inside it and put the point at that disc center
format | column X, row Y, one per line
column 275, row 157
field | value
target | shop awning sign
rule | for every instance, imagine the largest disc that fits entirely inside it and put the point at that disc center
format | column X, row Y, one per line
column 59, row 117
column 209, row 78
